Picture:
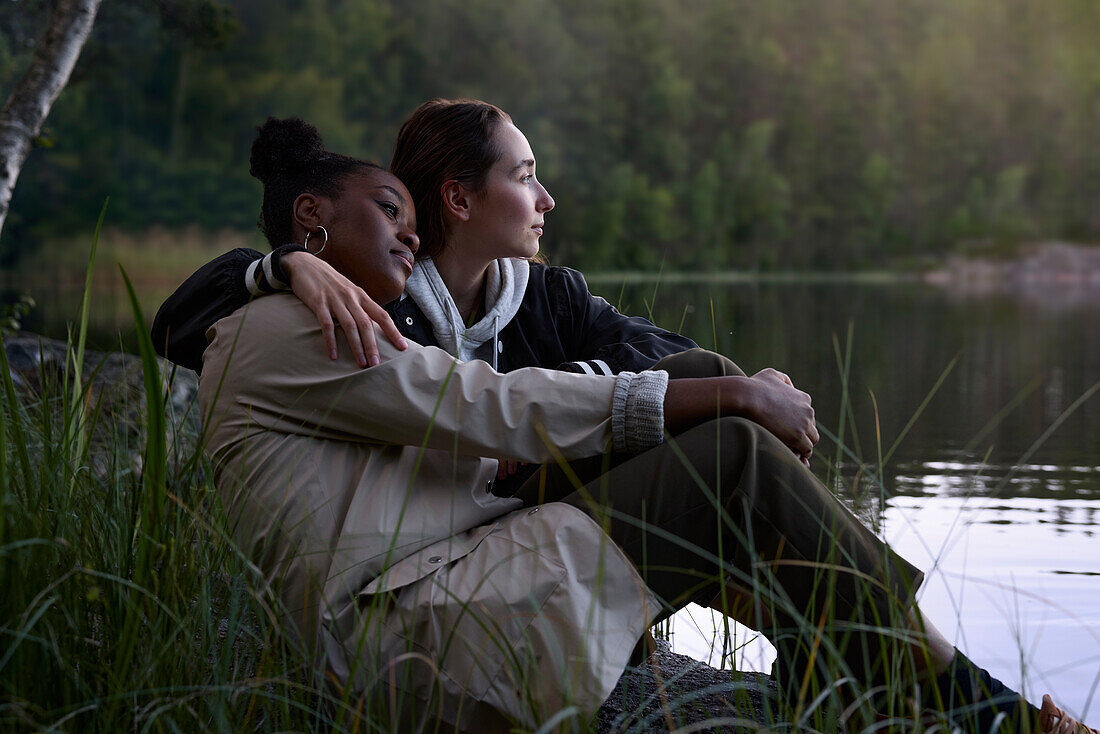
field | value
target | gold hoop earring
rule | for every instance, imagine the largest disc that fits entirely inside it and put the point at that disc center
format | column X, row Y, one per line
column 323, row 244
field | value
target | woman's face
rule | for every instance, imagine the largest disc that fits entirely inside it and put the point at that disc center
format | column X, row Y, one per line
column 508, row 214
column 372, row 234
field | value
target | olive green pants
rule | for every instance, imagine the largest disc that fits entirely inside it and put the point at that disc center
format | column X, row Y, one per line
column 727, row 501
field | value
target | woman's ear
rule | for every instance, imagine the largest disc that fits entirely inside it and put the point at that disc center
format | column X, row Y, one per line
column 308, row 211
column 456, row 201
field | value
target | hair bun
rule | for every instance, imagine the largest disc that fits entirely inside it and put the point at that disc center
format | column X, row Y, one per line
column 284, row 146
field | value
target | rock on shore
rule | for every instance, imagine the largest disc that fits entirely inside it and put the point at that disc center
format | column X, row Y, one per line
column 113, row 384
column 670, row 692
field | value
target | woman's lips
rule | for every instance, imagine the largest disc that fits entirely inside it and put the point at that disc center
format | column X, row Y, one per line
column 405, row 257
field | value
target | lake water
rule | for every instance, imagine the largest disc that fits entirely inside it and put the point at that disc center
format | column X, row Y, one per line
column 993, row 490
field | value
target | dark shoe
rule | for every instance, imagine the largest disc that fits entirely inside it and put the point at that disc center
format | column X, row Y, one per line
column 1053, row 720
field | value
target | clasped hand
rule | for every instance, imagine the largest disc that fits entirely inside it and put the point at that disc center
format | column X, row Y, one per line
column 786, row 411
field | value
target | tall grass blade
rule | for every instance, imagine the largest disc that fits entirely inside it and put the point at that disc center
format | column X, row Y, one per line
column 75, row 433
column 3, row 446
column 713, row 327
column 154, row 469
column 1047, row 434
column 151, row 526
column 13, row 411
column 996, row 420
column 844, row 364
column 920, row 409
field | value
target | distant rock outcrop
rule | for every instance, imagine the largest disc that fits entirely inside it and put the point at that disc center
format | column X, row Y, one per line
column 1048, row 265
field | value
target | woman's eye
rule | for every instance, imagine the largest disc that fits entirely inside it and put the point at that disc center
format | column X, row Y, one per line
column 527, row 178
column 390, row 209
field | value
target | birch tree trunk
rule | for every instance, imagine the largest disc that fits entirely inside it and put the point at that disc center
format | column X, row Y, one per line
column 34, row 94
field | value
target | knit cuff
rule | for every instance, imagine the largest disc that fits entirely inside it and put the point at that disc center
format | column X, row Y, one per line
column 267, row 275
column 638, row 410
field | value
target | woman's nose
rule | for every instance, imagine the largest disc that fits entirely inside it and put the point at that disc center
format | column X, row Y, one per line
column 410, row 240
column 546, row 201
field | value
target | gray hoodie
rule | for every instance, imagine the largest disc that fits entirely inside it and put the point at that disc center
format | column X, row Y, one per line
column 505, row 284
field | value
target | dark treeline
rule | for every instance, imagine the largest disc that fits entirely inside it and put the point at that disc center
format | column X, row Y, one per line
column 691, row 134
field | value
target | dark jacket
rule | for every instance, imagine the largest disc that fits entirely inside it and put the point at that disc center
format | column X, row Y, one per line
column 559, row 324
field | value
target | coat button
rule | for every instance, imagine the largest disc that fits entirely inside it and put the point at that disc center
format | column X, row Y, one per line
column 489, row 486
column 435, row 559
column 409, row 320
column 500, row 347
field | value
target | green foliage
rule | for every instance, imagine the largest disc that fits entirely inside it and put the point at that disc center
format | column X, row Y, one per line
column 204, row 23
column 717, row 133
column 12, row 314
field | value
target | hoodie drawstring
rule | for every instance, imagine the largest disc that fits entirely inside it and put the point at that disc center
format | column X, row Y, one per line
column 496, row 346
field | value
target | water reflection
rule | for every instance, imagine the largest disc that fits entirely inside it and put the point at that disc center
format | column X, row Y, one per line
column 1009, row 580
column 954, row 478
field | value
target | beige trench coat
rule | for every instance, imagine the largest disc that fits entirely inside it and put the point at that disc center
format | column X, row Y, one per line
column 363, row 494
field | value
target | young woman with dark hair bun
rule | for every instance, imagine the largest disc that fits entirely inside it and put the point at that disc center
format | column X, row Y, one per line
column 366, row 497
